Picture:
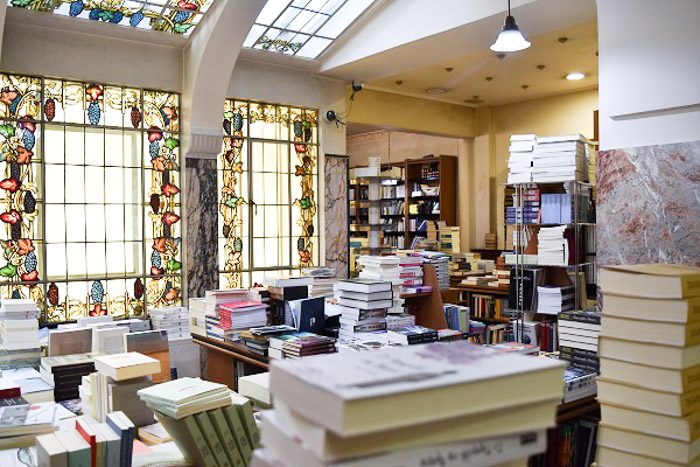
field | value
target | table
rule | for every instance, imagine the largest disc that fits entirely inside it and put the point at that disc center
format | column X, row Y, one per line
column 225, row 360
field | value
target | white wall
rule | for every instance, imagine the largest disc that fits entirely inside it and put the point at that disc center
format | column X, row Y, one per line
column 649, row 63
column 44, row 51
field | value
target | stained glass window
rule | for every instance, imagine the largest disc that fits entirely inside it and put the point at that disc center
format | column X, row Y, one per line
column 304, row 28
column 92, row 206
column 174, row 16
column 268, row 178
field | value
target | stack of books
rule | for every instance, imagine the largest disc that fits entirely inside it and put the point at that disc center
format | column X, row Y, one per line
column 210, row 424
column 411, row 335
column 197, row 308
column 257, row 340
column 21, row 421
column 89, row 443
column 578, row 339
column 549, row 339
column 445, row 335
column 154, row 344
column 559, row 158
column 649, row 386
column 479, row 390
column 400, row 321
column 364, row 305
column 173, row 319
column 283, row 290
column 324, row 278
column 32, row 388
column 23, row 358
column 388, row 269
column 529, row 212
column 520, row 160
column 19, row 325
column 441, row 262
column 240, row 315
column 457, row 317
column 553, row 246
column 64, row 374
column 300, row 344
column 411, row 271
column 114, row 386
column 552, row 300
column 578, row 384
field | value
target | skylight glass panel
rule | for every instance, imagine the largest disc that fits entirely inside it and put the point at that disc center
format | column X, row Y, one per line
column 304, row 28
column 173, row 16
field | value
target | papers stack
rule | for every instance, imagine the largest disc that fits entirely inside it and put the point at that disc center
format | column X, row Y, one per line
column 300, row 344
column 324, row 278
column 553, row 246
column 388, row 269
column 520, row 160
column 552, row 300
column 357, row 422
column 559, row 158
column 19, row 325
column 173, row 319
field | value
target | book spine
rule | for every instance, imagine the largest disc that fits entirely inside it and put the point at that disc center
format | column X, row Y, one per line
column 90, row 440
column 199, row 441
column 246, row 413
column 222, row 429
column 235, row 423
column 215, row 443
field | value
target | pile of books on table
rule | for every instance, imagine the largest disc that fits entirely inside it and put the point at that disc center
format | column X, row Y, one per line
column 114, row 386
column 236, row 310
column 173, row 319
column 89, row 442
column 482, row 414
column 441, row 262
column 386, row 269
column 553, row 246
column 197, row 308
column 64, row 374
column 578, row 339
column 300, row 344
column 552, row 300
column 399, row 321
column 210, row 424
column 257, row 340
column 282, row 291
column 31, row 387
column 559, row 158
column 649, row 386
column 364, row 305
column 19, row 325
column 411, row 335
column 520, row 160
column 324, row 278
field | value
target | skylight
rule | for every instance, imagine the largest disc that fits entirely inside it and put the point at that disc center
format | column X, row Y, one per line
column 173, row 16
column 304, row 28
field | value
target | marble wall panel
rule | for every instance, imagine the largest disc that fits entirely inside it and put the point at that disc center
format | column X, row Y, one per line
column 336, row 213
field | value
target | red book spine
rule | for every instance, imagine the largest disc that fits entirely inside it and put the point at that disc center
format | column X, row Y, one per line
column 10, row 392
column 91, row 441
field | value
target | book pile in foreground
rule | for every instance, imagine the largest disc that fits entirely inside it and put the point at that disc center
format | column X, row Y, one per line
column 173, row 319
column 300, row 344
column 64, row 374
column 31, row 387
column 410, row 335
column 578, row 333
column 114, row 386
column 21, row 421
column 386, row 269
column 211, row 425
column 552, row 300
column 481, row 404
column 364, row 304
column 90, row 443
column 649, row 387
column 559, row 158
column 19, row 325
column 520, row 160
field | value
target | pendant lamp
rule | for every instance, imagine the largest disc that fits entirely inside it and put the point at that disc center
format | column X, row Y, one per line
column 510, row 39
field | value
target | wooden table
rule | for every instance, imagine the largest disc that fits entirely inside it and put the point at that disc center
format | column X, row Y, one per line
column 224, row 360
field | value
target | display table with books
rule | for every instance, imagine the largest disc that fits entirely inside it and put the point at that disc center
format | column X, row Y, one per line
column 225, row 360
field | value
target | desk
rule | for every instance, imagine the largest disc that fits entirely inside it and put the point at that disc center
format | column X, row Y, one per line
column 225, row 359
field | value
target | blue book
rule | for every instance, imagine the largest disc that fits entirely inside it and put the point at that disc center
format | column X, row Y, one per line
column 122, row 426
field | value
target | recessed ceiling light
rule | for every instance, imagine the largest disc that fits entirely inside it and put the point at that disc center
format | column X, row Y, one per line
column 489, row 78
column 525, row 86
column 436, row 90
column 541, row 67
column 474, row 100
column 575, row 76
column 398, row 82
column 449, row 69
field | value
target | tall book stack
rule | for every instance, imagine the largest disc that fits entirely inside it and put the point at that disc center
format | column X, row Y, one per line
column 578, row 339
column 19, row 325
column 387, row 269
column 649, row 387
column 198, row 316
column 235, row 311
column 364, row 305
column 211, row 425
column 464, row 401
column 173, row 319
column 520, row 160
column 324, row 278
column 559, row 158
column 64, row 374
column 441, row 262
column 114, row 386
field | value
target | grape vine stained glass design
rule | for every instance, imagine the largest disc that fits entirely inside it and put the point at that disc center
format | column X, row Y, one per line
column 91, row 180
column 173, row 16
column 268, row 178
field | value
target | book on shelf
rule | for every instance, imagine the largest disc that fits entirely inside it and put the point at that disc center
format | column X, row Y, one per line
column 522, row 293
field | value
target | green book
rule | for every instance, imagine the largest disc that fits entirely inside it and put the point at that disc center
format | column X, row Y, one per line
column 245, row 411
column 236, row 425
column 189, row 439
column 215, row 443
column 226, row 436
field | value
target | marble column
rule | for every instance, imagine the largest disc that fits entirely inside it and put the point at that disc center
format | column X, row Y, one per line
column 648, row 206
column 202, row 225
column 335, row 172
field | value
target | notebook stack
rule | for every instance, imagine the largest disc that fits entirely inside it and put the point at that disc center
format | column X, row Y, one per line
column 324, row 278
column 173, row 319
column 520, row 160
column 649, row 386
column 211, row 425
column 578, row 339
column 386, row 269
column 64, row 374
column 364, row 305
column 89, row 443
column 300, row 344
column 19, row 325
column 552, row 300
column 114, row 386
column 411, row 335
column 559, row 158
column 480, row 407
